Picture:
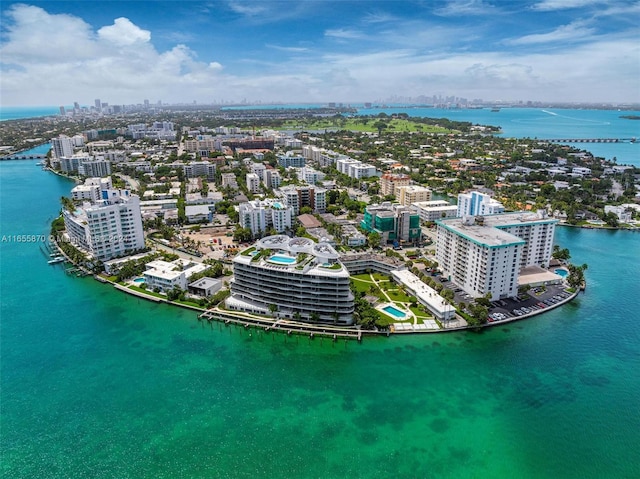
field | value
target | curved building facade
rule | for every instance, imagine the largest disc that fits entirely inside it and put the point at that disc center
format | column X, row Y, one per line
column 293, row 278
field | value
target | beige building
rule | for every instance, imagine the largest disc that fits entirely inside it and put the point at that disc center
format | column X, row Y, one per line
column 390, row 182
column 412, row 194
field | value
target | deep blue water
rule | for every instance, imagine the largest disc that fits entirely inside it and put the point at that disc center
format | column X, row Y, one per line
column 95, row 383
column 548, row 123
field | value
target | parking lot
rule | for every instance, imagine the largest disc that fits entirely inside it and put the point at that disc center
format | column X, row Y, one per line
column 531, row 302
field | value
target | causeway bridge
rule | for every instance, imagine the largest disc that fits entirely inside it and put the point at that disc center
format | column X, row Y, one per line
column 589, row 140
column 23, row 156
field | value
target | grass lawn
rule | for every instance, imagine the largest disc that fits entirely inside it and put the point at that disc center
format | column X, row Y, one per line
column 399, row 295
column 381, row 277
column 362, row 277
column 419, row 312
column 146, row 291
column 384, row 320
column 361, row 286
column 189, row 303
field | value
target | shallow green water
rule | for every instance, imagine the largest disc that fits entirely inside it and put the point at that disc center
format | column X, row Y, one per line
column 99, row 384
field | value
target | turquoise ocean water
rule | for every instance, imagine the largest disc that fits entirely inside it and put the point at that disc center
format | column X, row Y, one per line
column 19, row 112
column 95, row 383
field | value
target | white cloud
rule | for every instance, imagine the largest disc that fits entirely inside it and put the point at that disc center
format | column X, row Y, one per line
column 572, row 32
column 247, row 8
column 550, row 5
column 409, row 58
column 465, row 7
column 344, row 34
column 117, row 61
column 123, row 32
column 288, row 49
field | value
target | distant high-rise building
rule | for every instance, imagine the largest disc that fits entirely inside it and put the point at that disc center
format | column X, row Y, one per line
column 98, row 104
column 76, row 105
column 146, row 104
column 62, row 111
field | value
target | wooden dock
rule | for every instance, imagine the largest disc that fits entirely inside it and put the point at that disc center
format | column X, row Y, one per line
column 283, row 326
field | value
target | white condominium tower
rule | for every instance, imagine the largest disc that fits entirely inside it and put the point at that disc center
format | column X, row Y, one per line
column 294, row 278
column 259, row 216
column 109, row 228
column 485, row 254
column 62, row 146
column 476, row 203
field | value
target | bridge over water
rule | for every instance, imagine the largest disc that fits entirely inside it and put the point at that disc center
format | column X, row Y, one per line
column 589, row 140
column 22, row 156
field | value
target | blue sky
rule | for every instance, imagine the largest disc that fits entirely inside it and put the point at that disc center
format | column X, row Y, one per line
column 58, row 52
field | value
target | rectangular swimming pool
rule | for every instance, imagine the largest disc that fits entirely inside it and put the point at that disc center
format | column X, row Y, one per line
column 393, row 311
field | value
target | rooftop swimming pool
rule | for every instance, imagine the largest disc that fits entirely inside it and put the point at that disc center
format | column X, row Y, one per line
column 562, row 272
column 281, row 259
column 393, row 311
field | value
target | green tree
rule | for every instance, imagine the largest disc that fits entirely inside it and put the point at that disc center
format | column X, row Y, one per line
column 373, row 239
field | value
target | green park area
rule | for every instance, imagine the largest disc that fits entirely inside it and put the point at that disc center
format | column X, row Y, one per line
column 372, row 125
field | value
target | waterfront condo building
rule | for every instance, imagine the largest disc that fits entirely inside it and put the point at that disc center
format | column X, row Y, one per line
column 293, row 278
column 393, row 222
column 61, row 146
column 390, row 182
column 486, row 254
column 476, row 203
column 109, row 228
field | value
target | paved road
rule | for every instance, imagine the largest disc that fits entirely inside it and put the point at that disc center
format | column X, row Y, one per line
column 134, row 185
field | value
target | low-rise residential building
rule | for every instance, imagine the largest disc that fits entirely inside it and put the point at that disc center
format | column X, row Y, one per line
column 430, row 211
column 163, row 275
column 205, row 287
column 412, row 194
column 199, row 213
column 427, row 296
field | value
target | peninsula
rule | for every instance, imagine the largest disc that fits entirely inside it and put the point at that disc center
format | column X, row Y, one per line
column 197, row 208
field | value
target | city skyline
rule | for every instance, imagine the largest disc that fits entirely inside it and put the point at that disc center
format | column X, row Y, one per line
column 214, row 52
